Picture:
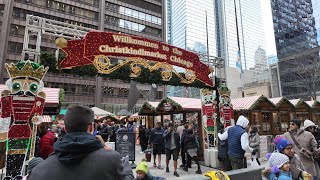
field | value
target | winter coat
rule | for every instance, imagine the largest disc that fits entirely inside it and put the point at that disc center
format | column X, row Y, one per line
column 296, row 167
column 46, row 145
column 167, row 139
column 254, row 143
column 142, row 136
column 222, row 149
column 190, row 141
column 307, row 141
column 285, row 176
column 156, row 136
column 80, row 156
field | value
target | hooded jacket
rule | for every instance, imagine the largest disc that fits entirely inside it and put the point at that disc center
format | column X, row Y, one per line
column 237, row 138
column 80, row 156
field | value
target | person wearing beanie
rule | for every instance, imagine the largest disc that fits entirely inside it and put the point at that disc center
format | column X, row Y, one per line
column 304, row 145
column 143, row 173
column 280, row 167
column 286, row 147
column 238, row 142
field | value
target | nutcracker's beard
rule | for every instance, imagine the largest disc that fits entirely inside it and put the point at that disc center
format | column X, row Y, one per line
column 21, row 93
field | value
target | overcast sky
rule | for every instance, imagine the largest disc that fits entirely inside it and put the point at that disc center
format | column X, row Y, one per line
column 268, row 27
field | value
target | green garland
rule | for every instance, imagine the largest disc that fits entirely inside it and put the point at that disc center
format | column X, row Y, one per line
column 123, row 73
column 167, row 99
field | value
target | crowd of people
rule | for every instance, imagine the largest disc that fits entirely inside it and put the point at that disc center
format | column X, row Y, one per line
column 79, row 147
column 174, row 141
column 297, row 154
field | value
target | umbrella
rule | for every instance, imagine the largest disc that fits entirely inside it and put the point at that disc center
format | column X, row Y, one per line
column 124, row 112
column 100, row 113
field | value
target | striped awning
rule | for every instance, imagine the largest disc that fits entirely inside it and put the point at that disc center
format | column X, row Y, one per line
column 295, row 102
column 275, row 101
column 46, row 119
column 52, row 94
column 311, row 103
column 188, row 103
column 245, row 103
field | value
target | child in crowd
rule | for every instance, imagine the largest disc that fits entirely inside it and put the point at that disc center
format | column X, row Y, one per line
column 143, row 173
column 280, row 167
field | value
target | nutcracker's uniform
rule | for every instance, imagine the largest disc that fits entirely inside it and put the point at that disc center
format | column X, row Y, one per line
column 17, row 111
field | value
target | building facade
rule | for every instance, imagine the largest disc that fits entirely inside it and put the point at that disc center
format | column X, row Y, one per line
column 296, row 28
column 250, row 25
column 136, row 17
column 191, row 26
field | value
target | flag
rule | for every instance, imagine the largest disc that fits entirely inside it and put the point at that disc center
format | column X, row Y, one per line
column 238, row 62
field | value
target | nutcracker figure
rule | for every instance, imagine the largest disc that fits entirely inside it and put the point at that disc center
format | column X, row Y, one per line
column 21, row 109
column 209, row 115
column 225, row 106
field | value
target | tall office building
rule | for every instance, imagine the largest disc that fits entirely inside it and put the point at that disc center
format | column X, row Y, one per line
column 250, row 30
column 136, row 17
column 191, row 26
column 296, row 27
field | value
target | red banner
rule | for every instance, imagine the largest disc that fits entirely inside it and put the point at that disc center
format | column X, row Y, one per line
column 82, row 52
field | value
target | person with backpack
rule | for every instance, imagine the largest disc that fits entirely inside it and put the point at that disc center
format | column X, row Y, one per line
column 156, row 141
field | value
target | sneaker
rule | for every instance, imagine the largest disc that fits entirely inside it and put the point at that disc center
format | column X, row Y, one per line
column 154, row 165
column 182, row 165
column 159, row 167
column 185, row 169
column 167, row 170
column 176, row 174
column 199, row 171
column 141, row 152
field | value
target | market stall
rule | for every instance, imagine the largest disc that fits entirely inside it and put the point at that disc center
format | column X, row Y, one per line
column 315, row 111
column 302, row 109
column 259, row 111
column 282, row 118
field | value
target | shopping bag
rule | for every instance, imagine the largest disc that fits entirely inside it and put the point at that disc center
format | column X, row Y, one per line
column 254, row 162
column 148, row 154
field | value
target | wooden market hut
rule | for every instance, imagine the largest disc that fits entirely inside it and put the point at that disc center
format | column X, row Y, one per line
column 302, row 109
column 283, row 115
column 259, row 110
column 315, row 111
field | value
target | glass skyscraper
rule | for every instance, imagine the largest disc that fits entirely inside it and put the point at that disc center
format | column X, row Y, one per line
column 297, row 36
column 191, row 26
column 250, row 28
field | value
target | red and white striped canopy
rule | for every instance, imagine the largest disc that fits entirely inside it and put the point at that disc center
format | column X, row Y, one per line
column 244, row 103
column 46, row 119
column 188, row 103
column 295, row 101
column 275, row 101
column 52, row 94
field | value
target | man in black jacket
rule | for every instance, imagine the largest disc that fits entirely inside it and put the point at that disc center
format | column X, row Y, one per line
column 172, row 145
column 79, row 155
column 156, row 140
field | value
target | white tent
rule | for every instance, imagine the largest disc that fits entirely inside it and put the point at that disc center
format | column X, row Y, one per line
column 100, row 113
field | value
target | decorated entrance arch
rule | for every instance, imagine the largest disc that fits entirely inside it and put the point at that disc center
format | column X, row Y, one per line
column 109, row 51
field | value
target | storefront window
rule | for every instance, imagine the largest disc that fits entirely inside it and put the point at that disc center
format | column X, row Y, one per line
column 284, row 120
column 266, row 122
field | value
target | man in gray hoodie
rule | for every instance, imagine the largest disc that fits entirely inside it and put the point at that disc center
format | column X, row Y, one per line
column 79, row 155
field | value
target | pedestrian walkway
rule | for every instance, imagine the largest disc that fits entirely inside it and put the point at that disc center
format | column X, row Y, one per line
column 183, row 174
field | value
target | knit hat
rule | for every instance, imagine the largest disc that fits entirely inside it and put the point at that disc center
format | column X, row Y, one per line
column 296, row 122
column 143, row 166
column 307, row 123
column 278, row 160
column 282, row 143
column 33, row 163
